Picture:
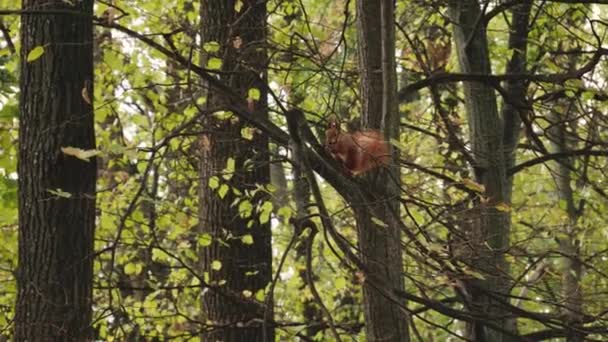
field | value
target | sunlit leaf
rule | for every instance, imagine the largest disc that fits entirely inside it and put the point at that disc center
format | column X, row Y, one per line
column 214, row 182
column 223, row 190
column 59, row 193
column 214, row 63
column 247, row 133
column 35, row 53
column 229, row 170
column 79, row 153
column 211, row 46
column 502, row 206
column 245, row 209
column 260, row 295
column 254, row 94
column 205, row 240
column 247, row 239
column 472, row 185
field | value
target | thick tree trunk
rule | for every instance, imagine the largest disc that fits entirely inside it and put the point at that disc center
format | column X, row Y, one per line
column 488, row 230
column 380, row 246
column 245, row 266
column 55, row 229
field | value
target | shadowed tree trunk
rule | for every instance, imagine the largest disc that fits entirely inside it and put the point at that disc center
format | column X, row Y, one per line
column 240, row 256
column 493, row 138
column 56, row 191
column 380, row 246
column 571, row 268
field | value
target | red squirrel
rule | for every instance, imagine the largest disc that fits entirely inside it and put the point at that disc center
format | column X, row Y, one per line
column 360, row 151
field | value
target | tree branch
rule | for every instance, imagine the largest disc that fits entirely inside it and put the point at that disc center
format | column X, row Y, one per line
column 554, row 156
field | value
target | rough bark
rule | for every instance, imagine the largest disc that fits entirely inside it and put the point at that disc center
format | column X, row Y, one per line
column 54, row 277
column 514, row 104
column 244, row 266
column 488, row 228
column 380, row 246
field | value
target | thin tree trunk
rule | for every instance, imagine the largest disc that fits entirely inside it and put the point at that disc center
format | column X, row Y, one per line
column 570, row 267
column 245, row 264
column 488, row 230
column 380, row 246
column 56, row 191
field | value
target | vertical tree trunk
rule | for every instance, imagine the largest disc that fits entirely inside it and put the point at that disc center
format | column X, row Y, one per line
column 560, row 117
column 380, row 245
column 245, row 266
column 489, row 229
column 570, row 268
column 55, row 229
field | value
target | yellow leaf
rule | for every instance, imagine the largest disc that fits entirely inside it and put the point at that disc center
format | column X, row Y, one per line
column 378, row 222
column 254, row 94
column 502, row 206
column 85, row 95
column 35, row 53
column 216, row 265
column 79, row 153
column 205, row 240
column 472, row 185
column 247, row 239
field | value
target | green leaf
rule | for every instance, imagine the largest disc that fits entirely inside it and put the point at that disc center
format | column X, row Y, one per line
column 245, row 209
column 60, row 193
column 205, row 240
column 214, row 63
column 158, row 255
column 286, row 212
column 223, row 190
column 214, row 182
column 260, row 295
column 254, row 94
column 216, row 265
column 211, row 46
column 35, row 53
column 229, row 170
column 340, row 283
column 265, row 212
column 247, row 133
column 133, row 268
column 247, row 239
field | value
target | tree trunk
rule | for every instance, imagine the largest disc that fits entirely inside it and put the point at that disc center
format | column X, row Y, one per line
column 571, row 267
column 55, row 228
column 380, row 246
column 245, row 264
column 488, row 229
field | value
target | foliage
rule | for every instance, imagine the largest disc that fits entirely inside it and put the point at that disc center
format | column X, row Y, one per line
column 148, row 281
